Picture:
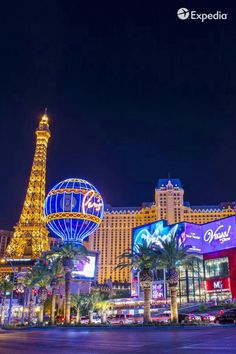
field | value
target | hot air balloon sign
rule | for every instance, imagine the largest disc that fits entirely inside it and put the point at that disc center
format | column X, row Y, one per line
column 73, row 210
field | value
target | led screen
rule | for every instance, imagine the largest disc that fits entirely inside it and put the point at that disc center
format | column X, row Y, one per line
column 219, row 235
column 157, row 291
column 192, row 237
column 85, row 269
column 154, row 232
column 211, row 237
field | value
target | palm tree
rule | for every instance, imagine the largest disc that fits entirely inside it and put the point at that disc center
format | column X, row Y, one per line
column 38, row 277
column 5, row 286
column 29, row 287
column 103, row 307
column 79, row 302
column 141, row 259
column 92, row 305
column 56, row 277
column 67, row 253
column 89, row 302
column 171, row 256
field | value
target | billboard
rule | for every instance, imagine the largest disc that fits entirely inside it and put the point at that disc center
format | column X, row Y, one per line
column 206, row 238
column 156, row 231
column 85, row 269
column 193, row 237
column 157, row 291
column 217, row 285
column 219, row 235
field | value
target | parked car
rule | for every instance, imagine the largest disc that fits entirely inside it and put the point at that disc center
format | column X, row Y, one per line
column 60, row 319
column 120, row 319
column 162, row 317
column 138, row 318
column 227, row 317
column 206, row 317
column 188, row 318
column 97, row 319
column 84, row 319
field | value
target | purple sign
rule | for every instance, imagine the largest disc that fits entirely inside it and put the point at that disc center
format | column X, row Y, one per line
column 206, row 238
column 211, row 237
column 219, row 235
column 192, row 237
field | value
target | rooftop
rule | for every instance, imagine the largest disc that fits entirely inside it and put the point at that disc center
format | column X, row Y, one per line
column 162, row 182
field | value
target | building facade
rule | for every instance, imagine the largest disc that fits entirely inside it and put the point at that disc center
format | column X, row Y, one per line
column 213, row 276
column 114, row 235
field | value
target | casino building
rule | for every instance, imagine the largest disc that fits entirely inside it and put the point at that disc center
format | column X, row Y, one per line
column 114, row 235
column 214, row 273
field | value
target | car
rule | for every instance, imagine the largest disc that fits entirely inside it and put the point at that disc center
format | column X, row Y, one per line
column 206, row 317
column 162, row 317
column 97, row 319
column 227, row 317
column 138, row 318
column 84, row 319
column 188, row 318
column 120, row 319
column 60, row 319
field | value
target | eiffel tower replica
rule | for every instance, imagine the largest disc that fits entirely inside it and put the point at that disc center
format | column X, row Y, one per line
column 30, row 238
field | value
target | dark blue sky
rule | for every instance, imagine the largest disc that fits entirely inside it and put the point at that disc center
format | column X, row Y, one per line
column 132, row 94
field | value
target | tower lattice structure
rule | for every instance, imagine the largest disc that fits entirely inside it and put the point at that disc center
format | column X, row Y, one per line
column 30, row 237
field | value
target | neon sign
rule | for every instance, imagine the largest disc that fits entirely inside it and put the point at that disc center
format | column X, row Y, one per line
column 206, row 238
column 222, row 236
column 73, row 209
column 90, row 201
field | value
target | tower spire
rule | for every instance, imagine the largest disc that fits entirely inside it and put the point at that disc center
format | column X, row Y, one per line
column 30, row 238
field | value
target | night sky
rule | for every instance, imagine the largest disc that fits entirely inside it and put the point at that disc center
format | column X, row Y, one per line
column 133, row 93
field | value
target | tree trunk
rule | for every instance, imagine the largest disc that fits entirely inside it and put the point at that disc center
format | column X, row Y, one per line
column 53, row 306
column 3, row 308
column 67, row 296
column 173, row 304
column 104, row 317
column 41, row 312
column 77, row 315
column 24, row 304
column 10, row 307
column 90, row 316
column 147, row 304
column 31, row 306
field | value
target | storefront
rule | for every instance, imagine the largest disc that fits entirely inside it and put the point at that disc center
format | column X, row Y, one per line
column 213, row 277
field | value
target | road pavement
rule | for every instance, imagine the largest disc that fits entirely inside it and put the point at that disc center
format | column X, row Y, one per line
column 203, row 340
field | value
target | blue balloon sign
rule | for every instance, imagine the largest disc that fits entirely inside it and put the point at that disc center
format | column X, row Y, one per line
column 73, row 209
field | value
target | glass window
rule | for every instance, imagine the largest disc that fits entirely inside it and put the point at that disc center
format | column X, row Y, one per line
column 218, row 267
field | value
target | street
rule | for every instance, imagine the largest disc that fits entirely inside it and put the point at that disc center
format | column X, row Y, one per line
column 119, row 340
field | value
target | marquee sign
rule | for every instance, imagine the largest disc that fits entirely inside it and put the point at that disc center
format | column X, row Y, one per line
column 211, row 237
column 217, row 285
column 73, row 209
column 154, row 232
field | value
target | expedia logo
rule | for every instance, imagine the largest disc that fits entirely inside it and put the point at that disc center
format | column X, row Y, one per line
column 184, row 14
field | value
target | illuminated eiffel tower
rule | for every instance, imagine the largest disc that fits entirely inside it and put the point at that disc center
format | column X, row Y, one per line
column 30, row 238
